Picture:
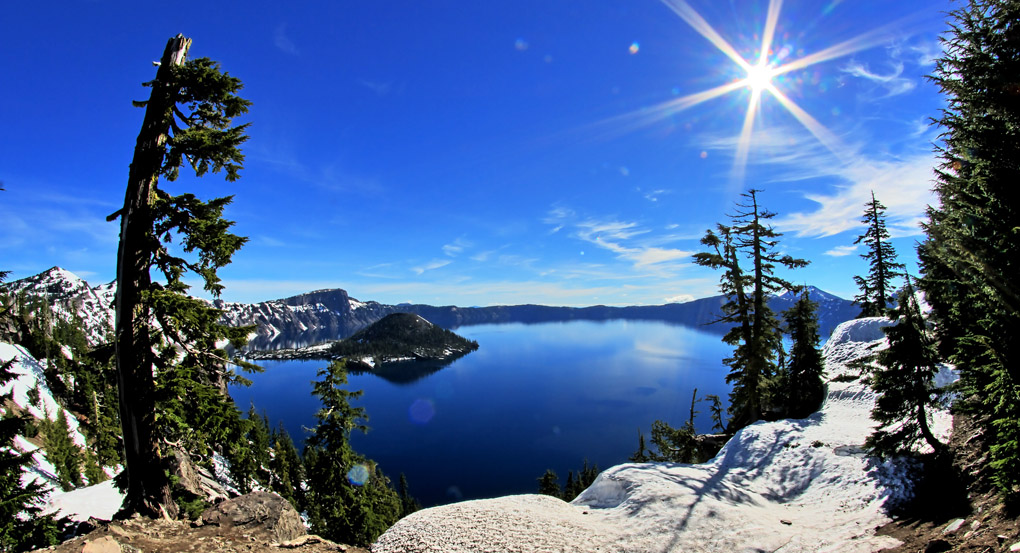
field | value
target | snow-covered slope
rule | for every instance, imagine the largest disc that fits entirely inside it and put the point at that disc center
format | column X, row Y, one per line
column 788, row 486
column 70, row 295
column 29, row 376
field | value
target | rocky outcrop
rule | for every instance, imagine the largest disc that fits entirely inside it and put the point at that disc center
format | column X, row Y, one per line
column 262, row 515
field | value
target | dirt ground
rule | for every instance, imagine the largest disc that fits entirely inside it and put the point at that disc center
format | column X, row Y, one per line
column 166, row 536
column 956, row 507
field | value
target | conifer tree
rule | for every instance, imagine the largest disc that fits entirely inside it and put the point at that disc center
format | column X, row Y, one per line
column 876, row 288
column 349, row 499
column 584, row 478
column 287, row 469
column 803, row 383
column 715, row 408
column 62, row 452
column 906, row 382
column 22, row 526
column 641, row 455
column 188, row 119
column 755, row 332
column 549, row 484
column 971, row 256
column 408, row 504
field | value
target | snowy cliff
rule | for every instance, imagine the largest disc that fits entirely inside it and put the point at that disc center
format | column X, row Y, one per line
column 792, row 486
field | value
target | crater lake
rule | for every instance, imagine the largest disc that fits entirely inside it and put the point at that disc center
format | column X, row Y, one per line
column 532, row 397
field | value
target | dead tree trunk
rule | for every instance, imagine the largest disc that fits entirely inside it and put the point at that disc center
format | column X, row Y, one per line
column 148, row 490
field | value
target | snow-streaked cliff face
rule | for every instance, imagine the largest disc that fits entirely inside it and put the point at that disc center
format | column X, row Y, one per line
column 791, row 485
column 70, row 295
column 29, row 376
column 321, row 315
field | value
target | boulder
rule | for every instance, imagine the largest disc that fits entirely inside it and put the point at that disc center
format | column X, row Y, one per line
column 261, row 515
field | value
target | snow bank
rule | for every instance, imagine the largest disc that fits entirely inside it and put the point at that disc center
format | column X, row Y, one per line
column 788, row 486
column 101, row 501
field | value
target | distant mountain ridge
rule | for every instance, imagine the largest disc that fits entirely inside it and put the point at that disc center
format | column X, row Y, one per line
column 331, row 314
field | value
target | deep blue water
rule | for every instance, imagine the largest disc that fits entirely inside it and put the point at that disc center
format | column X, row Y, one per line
column 532, row 397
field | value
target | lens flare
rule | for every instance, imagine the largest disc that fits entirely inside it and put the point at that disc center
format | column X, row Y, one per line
column 634, row 47
column 358, row 475
column 421, row 411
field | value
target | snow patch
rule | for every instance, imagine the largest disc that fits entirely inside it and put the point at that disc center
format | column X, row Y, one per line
column 100, row 501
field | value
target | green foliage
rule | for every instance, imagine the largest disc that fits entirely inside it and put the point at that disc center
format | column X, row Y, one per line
column 549, row 484
column 876, row 288
column 641, row 455
column 287, row 469
column 401, row 335
column 21, row 524
column 84, row 382
column 675, row 445
column 408, row 504
column 349, row 498
column 579, row 481
column 62, row 452
column 905, row 383
column 971, row 256
column 174, row 377
column 802, row 380
column 251, row 461
column 755, row 332
column 715, row 408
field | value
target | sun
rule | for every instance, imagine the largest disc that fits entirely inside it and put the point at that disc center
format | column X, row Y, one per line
column 759, row 77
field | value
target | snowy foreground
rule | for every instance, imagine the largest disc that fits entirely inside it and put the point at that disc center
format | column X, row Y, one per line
column 786, row 486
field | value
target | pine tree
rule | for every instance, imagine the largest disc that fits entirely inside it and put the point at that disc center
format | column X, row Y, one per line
column 876, row 288
column 62, row 452
column 755, row 333
column 803, row 382
column 584, row 478
column 22, row 526
column 408, row 504
column 715, row 408
column 287, row 469
column 349, row 499
column 906, row 382
column 641, row 455
column 549, row 484
column 971, row 256
column 188, row 117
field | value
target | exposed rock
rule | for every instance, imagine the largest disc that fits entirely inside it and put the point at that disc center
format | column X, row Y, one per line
column 953, row 526
column 259, row 514
column 195, row 479
column 105, row 544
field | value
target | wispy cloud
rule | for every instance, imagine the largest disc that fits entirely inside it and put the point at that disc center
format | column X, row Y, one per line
column 893, row 82
column 654, row 195
column 430, row 266
column 282, row 41
column 927, row 52
column 902, row 184
column 380, row 88
column 456, row 247
column 841, row 251
column 628, row 240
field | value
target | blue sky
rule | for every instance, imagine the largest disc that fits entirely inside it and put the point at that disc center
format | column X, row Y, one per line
column 481, row 153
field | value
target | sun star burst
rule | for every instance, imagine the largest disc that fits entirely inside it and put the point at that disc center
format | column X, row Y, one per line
column 759, row 80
